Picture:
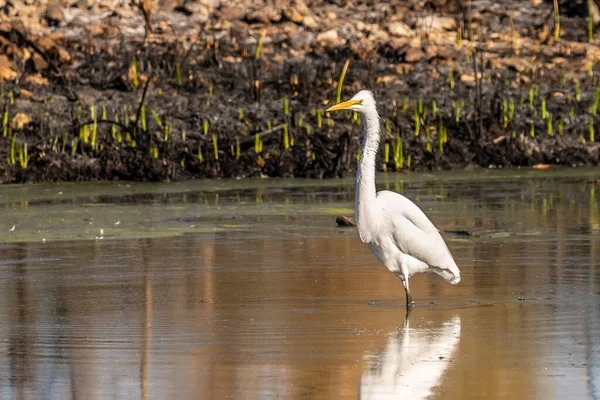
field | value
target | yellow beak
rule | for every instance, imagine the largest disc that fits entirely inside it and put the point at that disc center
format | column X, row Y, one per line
column 344, row 105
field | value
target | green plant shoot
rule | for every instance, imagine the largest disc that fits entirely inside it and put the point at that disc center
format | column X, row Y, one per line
column 136, row 82
column 215, row 145
column 143, row 117
column 156, row 117
column 286, row 137
column 338, row 96
column 260, row 44
column 286, row 106
column 417, row 122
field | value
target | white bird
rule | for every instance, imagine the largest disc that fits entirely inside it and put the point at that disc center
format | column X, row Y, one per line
column 397, row 231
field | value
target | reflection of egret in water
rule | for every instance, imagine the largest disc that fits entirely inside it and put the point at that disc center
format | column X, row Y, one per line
column 412, row 363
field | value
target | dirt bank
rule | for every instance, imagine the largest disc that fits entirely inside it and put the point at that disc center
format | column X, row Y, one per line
column 212, row 88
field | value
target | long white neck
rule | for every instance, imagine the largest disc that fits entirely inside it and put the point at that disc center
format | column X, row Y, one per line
column 365, row 212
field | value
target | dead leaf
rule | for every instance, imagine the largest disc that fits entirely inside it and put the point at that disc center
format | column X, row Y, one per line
column 37, row 79
column 7, row 72
column 19, row 121
column 516, row 63
column 25, row 94
column 404, row 68
column 470, row 77
column 386, row 78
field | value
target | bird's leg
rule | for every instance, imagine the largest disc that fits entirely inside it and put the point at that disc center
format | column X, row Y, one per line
column 409, row 300
column 408, row 311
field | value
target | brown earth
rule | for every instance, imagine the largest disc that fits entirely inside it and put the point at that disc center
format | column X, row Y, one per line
column 212, row 108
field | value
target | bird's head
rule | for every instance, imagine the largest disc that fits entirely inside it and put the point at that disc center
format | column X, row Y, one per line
column 362, row 101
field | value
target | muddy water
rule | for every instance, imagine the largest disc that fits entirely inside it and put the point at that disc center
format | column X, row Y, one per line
column 248, row 290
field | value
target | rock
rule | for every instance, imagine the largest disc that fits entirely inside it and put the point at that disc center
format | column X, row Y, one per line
column 84, row 4
column 54, row 14
column 595, row 11
column 6, row 7
column 19, row 121
column 442, row 53
column 183, row 9
column 88, row 96
column 438, row 54
column 164, row 27
column 469, row 78
column 330, row 37
column 413, row 55
column 517, row 64
column 400, row 29
column 300, row 13
column 342, row 220
column 37, row 79
column 436, row 23
column 293, row 15
column 310, row 22
column 265, row 15
column 231, row 13
column 379, row 35
column 287, row 29
column 19, row 26
column 238, row 30
column 301, row 7
column 592, row 52
column 387, row 79
column 7, row 71
column 404, row 68
column 39, row 64
column 232, row 60
column 347, row 32
column 63, row 55
column 51, row 44
column 94, row 30
column 25, row 94
column 301, row 41
column 110, row 32
column 196, row 9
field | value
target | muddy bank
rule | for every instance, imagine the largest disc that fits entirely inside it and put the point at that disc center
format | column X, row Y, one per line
column 91, row 92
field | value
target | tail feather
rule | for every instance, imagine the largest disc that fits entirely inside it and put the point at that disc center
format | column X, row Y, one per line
column 450, row 275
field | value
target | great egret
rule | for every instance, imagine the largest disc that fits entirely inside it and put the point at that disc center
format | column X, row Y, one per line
column 397, row 231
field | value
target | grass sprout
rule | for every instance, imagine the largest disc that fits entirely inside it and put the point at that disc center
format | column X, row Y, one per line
column 338, row 97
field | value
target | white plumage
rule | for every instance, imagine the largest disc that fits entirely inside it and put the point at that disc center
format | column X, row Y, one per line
column 397, row 231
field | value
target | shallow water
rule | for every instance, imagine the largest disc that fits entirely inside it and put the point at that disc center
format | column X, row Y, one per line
column 248, row 290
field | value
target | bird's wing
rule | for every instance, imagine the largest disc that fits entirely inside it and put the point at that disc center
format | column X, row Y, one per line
column 414, row 234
